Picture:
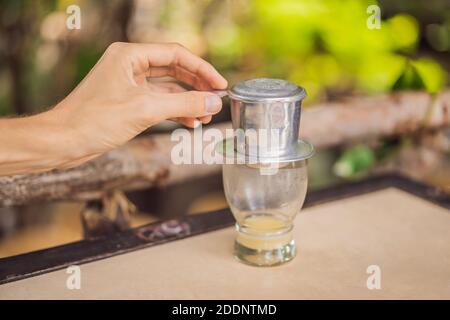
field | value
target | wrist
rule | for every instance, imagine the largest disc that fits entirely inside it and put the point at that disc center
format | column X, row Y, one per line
column 65, row 144
column 31, row 144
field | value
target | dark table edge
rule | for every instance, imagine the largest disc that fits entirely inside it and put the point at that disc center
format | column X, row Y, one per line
column 42, row 261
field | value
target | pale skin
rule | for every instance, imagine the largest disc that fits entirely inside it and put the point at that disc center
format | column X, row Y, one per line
column 112, row 104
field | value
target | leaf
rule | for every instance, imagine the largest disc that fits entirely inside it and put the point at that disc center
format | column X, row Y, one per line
column 354, row 161
column 409, row 79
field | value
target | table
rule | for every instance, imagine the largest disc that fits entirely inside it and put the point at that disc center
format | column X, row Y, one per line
column 389, row 224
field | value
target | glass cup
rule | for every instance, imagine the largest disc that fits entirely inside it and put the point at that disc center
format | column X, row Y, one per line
column 264, row 203
column 267, row 189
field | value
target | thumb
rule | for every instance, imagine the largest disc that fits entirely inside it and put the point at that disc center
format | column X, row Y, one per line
column 185, row 104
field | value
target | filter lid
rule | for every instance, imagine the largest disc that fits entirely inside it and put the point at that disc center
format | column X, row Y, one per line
column 266, row 89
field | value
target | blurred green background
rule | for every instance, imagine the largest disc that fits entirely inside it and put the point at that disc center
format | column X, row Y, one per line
column 323, row 45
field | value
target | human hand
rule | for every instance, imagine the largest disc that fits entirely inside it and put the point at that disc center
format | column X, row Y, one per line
column 115, row 102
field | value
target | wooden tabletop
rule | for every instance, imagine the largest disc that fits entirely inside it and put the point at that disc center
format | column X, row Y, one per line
column 400, row 231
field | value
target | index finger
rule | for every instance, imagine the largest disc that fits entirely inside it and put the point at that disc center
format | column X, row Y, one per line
column 166, row 55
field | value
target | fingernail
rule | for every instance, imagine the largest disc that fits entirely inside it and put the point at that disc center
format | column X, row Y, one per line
column 213, row 103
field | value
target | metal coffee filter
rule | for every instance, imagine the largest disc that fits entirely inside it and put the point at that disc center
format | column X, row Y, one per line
column 273, row 105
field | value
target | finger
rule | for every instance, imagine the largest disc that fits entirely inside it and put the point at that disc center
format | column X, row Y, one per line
column 205, row 119
column 181, row 74
column 188, row 122
column 156, row 88
column 204, row 70
column 155, row 72
column 168, row 87
column 147, row 56
column 183, row 104
column 191, row 79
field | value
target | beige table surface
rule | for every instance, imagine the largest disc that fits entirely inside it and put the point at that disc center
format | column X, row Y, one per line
column 407, row 237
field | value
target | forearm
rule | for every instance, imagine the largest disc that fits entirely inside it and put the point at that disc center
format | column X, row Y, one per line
column 34, row 144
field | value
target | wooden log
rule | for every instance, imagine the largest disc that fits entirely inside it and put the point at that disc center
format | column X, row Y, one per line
column 142, row 162
column 368, row 117
column 146, row 162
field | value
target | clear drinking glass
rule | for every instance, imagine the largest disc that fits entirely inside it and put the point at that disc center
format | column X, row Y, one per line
column 264, row 205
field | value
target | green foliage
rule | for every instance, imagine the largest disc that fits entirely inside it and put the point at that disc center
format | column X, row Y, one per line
column 409, row 79
column 354, row 161
column 324, row 45
column 420, row 74
column 357, row 160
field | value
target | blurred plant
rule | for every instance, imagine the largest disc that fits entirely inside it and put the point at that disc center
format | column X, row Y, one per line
column 409, row 79
column 323, row 45
column 354, row 161
column 357, row 160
